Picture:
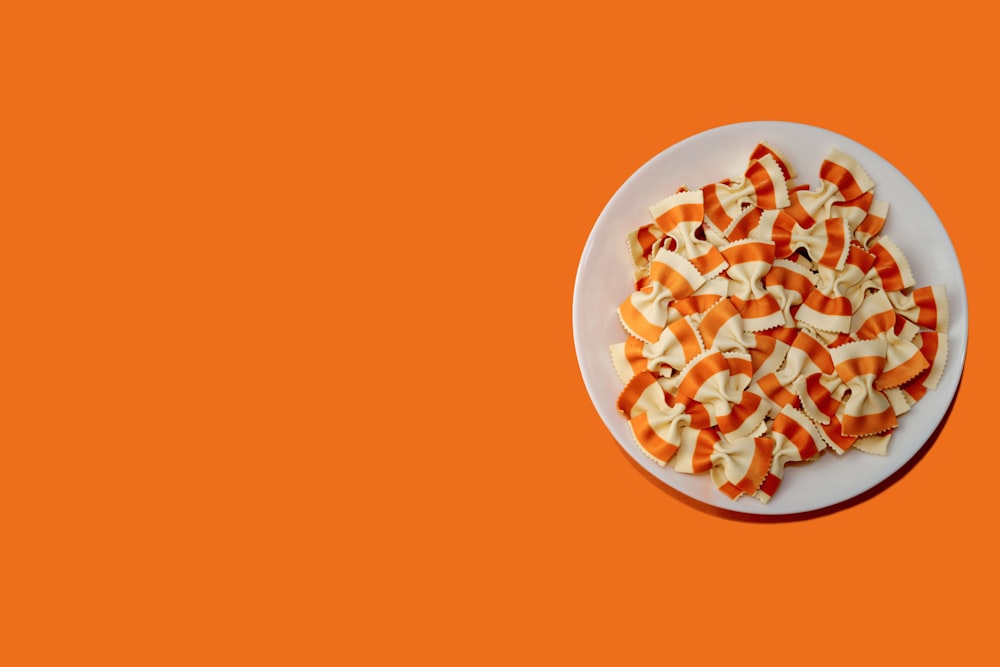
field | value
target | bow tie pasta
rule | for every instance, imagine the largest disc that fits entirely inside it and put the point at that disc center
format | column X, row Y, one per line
column 772, row 323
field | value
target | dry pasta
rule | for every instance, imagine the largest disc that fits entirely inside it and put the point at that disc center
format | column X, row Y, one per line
column 772, row 322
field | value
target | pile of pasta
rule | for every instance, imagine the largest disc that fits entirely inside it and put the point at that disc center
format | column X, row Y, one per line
column 772, row 322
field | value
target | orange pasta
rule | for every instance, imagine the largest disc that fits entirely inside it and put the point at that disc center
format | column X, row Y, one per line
column 795, row 439
column 771, row 323
column 762, row 185
column 644, row 312
column 680, row 216
column 830, row 305
column 867, row 410
column 825, row 242
column 842, row 179
column 876, row 319
column 749, row 261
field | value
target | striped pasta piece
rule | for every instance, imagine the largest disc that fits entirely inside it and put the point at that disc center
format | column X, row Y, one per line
column 821, row 396
column 656, row 426
column 926, row 307
column 680, row 216
column 764, row 148
column 741, row 465
column 866, row 411
column 789, row 283
column 871, row 226
column 627, row 358
column 774, row 394
column 718, row 381
column 841, row 179
column 767, row 355
column 644, row 312
column 749, row 261
column 876, row 318
column 830, row 305
column 825, row 242
column 694, row 452
column 745, row 225
column 738, row 466
column 807, row 355
column 833, row 434
column 762, row 185
column 721, row 328
column 891, row 270
column 678, row 344
column 796, row 439
column 784, row 334
column 703, row 298
column 642, row 245
column 934, row 348
column 853, row 211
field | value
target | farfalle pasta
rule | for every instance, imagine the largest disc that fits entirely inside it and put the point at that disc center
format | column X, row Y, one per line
column 718, row 380
column 826, row 241
column 748, row 262
column 796, row 439
column 890, row 268
column 721, row 327
column 843, row 183
column 789, row 283
column 863, row 232
column 859, row 365
column 876, row 319
column 772, row 323
column 830, row 305
column 762, row 185
column 680, row 217
column 644, row 314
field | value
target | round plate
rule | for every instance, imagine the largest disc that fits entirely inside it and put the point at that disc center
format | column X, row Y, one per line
column 604, row 280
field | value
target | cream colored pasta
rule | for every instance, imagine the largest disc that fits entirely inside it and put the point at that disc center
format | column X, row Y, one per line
column 772, row 322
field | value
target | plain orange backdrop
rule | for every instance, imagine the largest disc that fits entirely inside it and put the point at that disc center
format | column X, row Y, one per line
column 288, row 372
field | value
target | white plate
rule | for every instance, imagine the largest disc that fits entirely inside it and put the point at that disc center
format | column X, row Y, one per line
column 604, row 280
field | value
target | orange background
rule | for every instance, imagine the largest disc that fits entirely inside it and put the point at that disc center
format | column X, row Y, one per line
column 288, row 367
